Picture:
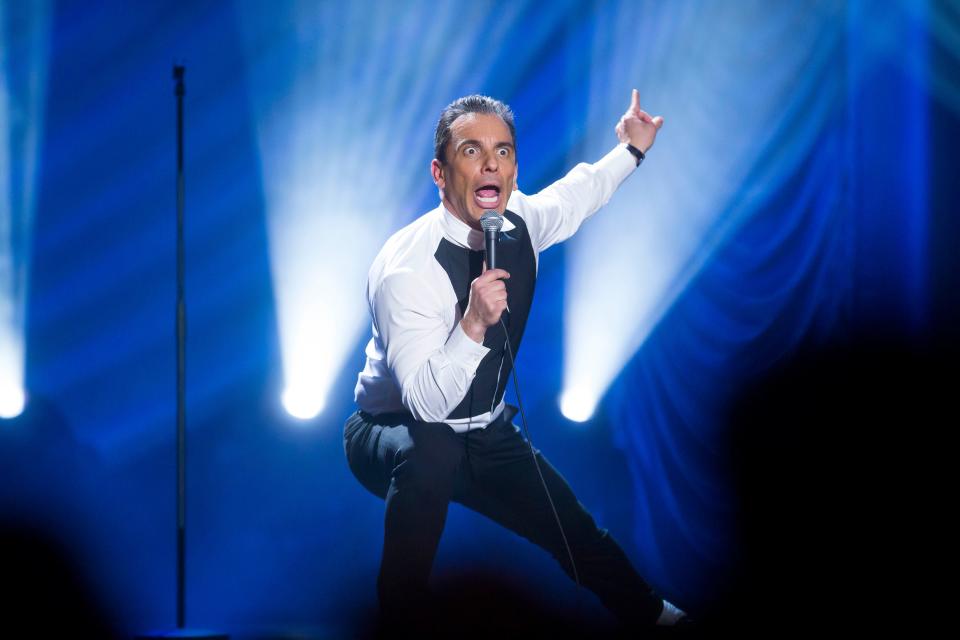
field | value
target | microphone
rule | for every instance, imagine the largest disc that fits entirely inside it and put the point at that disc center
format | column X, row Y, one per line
column 491, row 223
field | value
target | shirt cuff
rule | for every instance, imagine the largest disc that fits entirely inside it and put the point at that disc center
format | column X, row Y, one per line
column 620, row 163
column 462, row 350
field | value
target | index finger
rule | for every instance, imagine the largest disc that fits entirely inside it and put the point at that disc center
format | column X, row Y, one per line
column 635, row 101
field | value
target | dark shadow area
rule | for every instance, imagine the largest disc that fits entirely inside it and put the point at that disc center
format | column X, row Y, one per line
column 840, row 460
column 486, row 605
column 46, row 593
column 48, row 588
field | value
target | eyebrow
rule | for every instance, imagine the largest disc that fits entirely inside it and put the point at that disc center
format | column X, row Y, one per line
column 477, row 143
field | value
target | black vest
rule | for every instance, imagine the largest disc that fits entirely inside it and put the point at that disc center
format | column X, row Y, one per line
column 515, row 255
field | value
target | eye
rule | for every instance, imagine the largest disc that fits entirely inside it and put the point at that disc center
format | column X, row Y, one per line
column 503, row 152
column 470, row 151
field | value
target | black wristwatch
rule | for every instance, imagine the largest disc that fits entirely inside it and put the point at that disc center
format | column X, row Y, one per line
column 636, row 153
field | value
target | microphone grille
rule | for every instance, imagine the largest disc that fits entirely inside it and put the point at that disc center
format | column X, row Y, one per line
column 491, row 221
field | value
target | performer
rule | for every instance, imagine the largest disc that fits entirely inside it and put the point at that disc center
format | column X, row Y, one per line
column 432, row 425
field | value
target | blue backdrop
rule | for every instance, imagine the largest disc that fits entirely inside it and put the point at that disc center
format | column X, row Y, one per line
column 800, row 192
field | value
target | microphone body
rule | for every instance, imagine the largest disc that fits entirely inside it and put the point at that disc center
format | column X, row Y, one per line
column 490, row 237
column 491, row 223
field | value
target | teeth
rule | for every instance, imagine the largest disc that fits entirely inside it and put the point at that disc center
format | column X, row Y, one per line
column 487, row 200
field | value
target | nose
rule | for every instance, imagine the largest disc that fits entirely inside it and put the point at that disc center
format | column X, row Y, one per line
column 491, row 162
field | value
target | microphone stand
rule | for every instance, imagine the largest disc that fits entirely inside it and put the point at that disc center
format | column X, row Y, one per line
column 181, row 330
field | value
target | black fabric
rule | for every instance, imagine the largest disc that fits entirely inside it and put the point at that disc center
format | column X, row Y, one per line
column 418, row 467
column 515, row 255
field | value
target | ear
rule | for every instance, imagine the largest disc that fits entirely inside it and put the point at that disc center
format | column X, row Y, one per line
column 436, row 170
column 516, row 178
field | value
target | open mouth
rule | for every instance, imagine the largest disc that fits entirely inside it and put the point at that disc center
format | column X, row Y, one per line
column 488, row 196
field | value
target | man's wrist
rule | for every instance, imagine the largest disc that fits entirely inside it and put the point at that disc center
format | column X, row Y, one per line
column 637, row 154
column 475, row 331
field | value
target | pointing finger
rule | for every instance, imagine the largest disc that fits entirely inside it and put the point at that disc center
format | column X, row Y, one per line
column 635, row 101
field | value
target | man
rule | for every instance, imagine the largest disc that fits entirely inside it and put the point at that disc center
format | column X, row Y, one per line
column 432, row 425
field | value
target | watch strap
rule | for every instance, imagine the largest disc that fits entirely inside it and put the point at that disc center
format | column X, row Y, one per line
column 637, row 154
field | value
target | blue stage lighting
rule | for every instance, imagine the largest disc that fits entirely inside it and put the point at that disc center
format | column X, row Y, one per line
column 24, row 32
column 723, row 103
column 345, row 130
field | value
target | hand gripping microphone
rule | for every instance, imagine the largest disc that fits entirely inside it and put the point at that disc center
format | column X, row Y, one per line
column 491, row 223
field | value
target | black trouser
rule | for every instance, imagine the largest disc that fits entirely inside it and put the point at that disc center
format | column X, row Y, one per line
column 418, row 467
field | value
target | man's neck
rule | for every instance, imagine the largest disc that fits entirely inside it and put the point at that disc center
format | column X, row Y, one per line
column 467, row 220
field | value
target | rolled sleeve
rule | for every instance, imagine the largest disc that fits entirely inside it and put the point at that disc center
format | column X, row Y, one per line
column 462, row 348
column 433, row 366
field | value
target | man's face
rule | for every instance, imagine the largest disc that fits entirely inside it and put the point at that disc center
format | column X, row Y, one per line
column 480, row 169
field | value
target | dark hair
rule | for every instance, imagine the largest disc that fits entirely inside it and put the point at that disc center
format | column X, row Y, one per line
column 469, row 104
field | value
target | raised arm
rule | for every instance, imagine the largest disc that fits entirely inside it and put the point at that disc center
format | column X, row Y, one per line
column 555, row 213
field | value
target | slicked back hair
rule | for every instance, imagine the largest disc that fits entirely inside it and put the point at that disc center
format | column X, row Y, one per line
column 469, row 104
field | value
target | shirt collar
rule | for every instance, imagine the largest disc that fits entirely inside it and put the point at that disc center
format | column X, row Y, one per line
column 462, row 234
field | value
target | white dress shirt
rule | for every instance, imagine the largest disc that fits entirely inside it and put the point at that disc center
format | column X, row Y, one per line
column 419, row 359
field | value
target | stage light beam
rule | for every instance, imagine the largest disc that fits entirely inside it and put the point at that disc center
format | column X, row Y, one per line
column 578, row 405
column 12, row 395
column 303, row 403
column 626, row 267
column 24, row 51
column 344, row 126
column 12, row 400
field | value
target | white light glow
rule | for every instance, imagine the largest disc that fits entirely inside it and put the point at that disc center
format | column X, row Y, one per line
column 12, row 401
column 722, row 104
column 23, row 83
column 345, row 120
column 302, row 403
column 578, row 405
column 12, row 397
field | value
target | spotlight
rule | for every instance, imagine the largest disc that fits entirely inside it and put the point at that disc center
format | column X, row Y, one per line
column 302, row 403
column 12, row 401
column 630, row 263
column 23, row 82
column 577, row 405
column 339, row 176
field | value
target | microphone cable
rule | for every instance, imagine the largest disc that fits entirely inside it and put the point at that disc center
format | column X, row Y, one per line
column 491, row 223
column 536, row 463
